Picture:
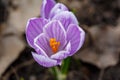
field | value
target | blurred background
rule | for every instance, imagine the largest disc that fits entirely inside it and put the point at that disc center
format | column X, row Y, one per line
column 98, row 59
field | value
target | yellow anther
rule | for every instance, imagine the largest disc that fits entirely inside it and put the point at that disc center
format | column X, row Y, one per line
column 54, row 45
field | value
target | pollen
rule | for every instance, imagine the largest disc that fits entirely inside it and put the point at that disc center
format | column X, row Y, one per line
column 54, row 44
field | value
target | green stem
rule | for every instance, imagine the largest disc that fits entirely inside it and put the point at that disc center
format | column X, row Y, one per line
column 61, row 74
column 65, row 65
column 57, row 73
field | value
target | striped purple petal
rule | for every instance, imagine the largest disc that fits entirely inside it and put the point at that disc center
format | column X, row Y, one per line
column 54, row 29
column 45, row 61
column 58, row 8
column 47, row 5
column 76, row 37
column 34, row 28
column 42, row 42
column 66, row 18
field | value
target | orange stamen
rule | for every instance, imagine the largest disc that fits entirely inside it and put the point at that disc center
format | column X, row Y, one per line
column 54, row 45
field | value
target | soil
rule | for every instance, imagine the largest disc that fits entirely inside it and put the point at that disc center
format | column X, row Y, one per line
column 78, row 70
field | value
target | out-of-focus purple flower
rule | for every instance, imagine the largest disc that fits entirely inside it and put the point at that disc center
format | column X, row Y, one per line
column 55, row 36
column 50, row 8
column 47, row 5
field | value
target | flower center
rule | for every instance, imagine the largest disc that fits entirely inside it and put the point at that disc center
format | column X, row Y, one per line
column 54, row 44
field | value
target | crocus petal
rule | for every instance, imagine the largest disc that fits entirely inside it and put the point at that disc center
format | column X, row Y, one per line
column 62, row 54
column 47, row 5
column 76, row 36
column 42, row 42
column 66, row 18
column 34, row 28
column 59, row 7
column 54, row 29
column 45, row 61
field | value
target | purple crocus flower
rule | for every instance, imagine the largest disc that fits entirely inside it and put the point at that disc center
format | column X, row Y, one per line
column 55, row 36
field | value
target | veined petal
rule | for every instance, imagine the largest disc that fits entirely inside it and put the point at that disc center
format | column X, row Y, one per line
column 66, row 18
column 59, row 7
column 47, row 5
column 76, row 37
column 45, row 61
column 41, row 42
column 34, row 28
column 63, row 53
column 54, row 29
